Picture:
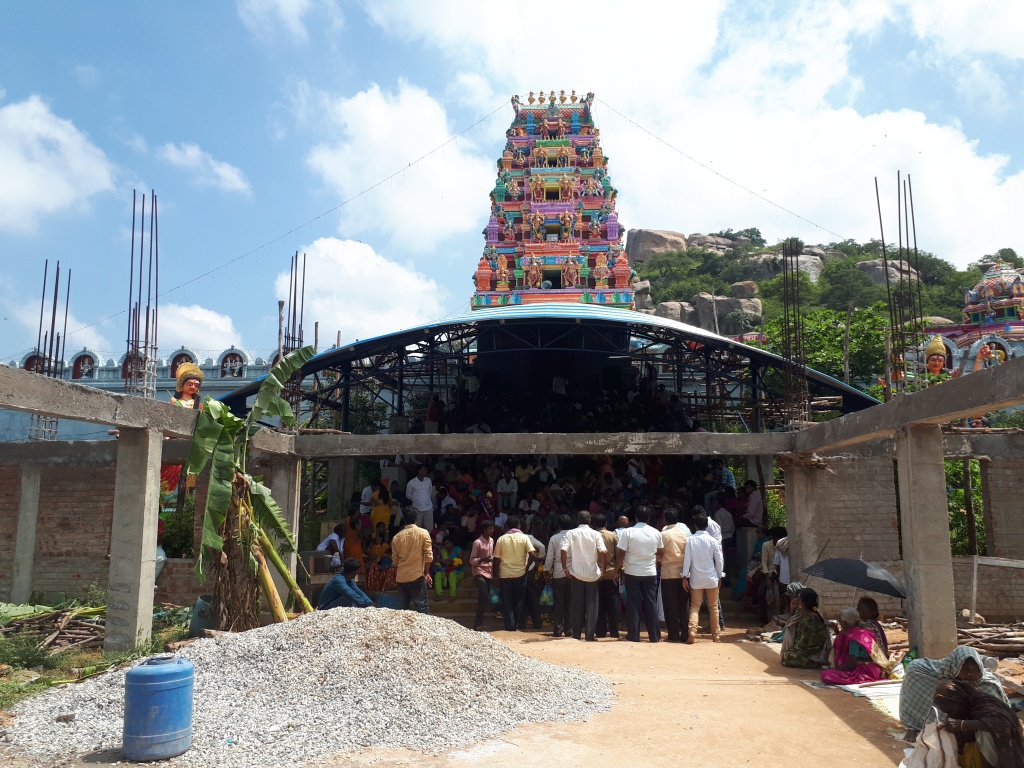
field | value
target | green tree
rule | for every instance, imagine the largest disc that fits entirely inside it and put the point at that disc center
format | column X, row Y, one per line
column 955, row 501
column 824, row 331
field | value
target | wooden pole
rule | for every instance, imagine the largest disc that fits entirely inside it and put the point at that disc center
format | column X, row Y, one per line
column 846, row 344
column 972, row 523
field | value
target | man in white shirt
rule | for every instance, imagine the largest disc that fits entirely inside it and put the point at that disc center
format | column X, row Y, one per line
column 507, row 489
column 638, row 551
column 420, row 492
column 583, row 560
column 366, row 500
column 702, row 572
column 559, row 581
column 753, row 515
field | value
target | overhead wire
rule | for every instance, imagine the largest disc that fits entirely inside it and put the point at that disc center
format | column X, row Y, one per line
column 721, row 175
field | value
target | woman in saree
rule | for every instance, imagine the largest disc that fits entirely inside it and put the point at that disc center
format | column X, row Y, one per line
column 858, row 656
column 923, row 675
column 380, row 511
column 867, row 609
column 806, row 643
column 987, row 731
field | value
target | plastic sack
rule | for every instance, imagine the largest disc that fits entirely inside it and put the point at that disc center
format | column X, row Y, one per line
column 547, row 595
column 933, row 748
column 495, row 597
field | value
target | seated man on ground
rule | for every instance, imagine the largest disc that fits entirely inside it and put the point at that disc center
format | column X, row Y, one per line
column 342, row 590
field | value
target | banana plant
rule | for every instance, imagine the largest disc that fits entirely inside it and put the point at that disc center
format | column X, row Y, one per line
column 241, row 516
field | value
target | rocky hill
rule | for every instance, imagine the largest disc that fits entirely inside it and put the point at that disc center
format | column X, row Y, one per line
column 741, row 311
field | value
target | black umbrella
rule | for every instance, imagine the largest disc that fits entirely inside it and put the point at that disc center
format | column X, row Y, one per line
column 857, row 573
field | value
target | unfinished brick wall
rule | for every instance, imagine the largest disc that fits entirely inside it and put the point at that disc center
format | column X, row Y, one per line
column 76, row 506
column 177, row 583
column 845, row 507
column 1000, row 590
column 1001, row 486
column 10, row 500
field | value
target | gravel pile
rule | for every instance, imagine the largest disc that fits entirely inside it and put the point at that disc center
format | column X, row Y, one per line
column 338, row 680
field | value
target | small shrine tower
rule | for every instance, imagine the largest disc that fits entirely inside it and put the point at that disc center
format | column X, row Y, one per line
column 553, row 234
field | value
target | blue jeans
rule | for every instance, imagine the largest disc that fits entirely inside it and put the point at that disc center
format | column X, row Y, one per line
column 414, row 593
column 512, row 593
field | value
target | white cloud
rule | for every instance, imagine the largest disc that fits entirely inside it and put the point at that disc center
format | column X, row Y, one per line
column 978, row 84
column 20, row 319
column 207, row 171
column 266, row 18
column 380, row 134
column 48, row 165
column 196, row 327
column 352, row 289
column 749, row 91
column 3, row 92
column 965, row 29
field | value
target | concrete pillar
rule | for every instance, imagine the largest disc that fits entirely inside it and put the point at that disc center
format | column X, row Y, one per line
column 928, row 563
column 284, row 479
column 341, row 483
column 25, row 541
column 133, row 539
column 805, row 519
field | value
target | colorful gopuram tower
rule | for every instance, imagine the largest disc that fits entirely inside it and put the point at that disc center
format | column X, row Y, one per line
column 553, row 234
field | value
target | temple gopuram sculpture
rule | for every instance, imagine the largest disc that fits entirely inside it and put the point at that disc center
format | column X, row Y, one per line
column 991, row 330
column 555, row 233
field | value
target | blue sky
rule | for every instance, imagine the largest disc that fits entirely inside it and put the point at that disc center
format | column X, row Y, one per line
column 255, row 121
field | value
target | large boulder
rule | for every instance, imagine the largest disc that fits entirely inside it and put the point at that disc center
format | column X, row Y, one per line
column 765, row 266
column 680, row 311
column 876, row 270
column 641, row 244
column 642, row 295
column 711, row 242
column 708, row 306
column 747, row 289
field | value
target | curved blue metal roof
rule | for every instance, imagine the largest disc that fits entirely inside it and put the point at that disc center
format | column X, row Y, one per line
column 362, row 348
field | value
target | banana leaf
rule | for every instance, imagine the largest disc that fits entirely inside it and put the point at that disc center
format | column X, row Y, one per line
column 268, row 514
column 268, row 401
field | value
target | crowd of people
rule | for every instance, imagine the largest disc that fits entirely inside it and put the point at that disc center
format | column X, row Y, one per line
column 599, row 545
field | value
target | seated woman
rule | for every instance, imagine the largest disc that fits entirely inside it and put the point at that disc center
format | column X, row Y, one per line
column 447, row 568
column 987, row 731
column 806, row 643
column 923, row 675
column 867, row 609
column 858, row 656
column 353, row 546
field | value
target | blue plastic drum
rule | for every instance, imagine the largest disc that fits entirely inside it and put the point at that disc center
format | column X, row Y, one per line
column 158, row 709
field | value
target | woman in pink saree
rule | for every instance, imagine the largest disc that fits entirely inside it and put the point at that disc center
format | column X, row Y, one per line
column 858, row 655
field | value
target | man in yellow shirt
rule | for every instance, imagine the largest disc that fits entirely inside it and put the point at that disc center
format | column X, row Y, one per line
column 412, row 553
column 512, row 552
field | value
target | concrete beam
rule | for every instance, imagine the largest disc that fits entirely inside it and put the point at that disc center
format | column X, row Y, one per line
column 25, row 539
column 924, row 520
column 272, row 443
column 998, row 446
column 993, row 389
column 575, row 444
column 25, row 391
column 133, row 539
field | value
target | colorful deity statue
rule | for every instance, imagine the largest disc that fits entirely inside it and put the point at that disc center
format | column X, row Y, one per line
column 502, row 273
column 539, row 230
column 512, row 189
column 568, row 222
column 935, row 356
column 570, row 272
column 595, row 227
column 566, row 187
column 563, row 157
column 534, row 271
column 601, row 271
column 483, row 274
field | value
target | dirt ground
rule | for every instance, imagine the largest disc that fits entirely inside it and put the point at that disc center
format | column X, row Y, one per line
column 728, row 704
